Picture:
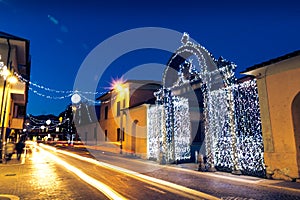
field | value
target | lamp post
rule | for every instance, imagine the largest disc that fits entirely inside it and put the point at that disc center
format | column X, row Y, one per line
column 121, row 132
column 48, row 122
column 42, row 128
column 119, row 88
column 76, row 98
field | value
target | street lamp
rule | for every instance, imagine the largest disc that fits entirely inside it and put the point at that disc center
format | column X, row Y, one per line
column 76, row 98
column 12, row 79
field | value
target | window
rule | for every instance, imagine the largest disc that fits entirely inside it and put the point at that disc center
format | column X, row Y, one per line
column 106, row 112
column 19, row 111
column 119, row 134
column 118, row 108
column 95, row 133
column 105, row 132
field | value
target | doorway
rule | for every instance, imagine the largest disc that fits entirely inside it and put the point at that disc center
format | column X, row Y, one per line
column 296, row 123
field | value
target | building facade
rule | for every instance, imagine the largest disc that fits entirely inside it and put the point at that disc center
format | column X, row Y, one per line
column 86, row 119
column 123, row 116
column 279, row 98
column 14, row 63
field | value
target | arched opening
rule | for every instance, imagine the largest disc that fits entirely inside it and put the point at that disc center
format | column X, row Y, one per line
column 296, row 123
column 133, row 136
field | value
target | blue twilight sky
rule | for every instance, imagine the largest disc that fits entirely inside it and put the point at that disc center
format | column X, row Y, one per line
column 63, row 33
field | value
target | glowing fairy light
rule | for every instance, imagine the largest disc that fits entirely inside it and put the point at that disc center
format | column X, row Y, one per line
column 182, row 129
column 250, row 140
column 54, row 94
column 249, row 144
column 154, row 121
column 37, row 123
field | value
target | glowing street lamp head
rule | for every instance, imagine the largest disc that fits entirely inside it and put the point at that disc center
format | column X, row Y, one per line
column 118, row 85
column 12, row 79
column 75, row 98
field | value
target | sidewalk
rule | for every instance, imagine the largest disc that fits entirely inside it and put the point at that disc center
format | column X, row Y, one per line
column 10, row 172
column 13, row 161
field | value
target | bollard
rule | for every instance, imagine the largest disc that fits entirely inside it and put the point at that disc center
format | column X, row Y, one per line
column 201, row 166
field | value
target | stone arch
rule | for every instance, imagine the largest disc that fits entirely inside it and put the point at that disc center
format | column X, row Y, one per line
column 296, row 124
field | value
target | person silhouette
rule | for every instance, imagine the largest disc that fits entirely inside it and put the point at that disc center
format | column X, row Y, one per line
column 20, row 147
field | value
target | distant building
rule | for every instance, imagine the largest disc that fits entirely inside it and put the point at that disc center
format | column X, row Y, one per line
column 123, row 115
column 15, row 58
column 278, row 82
column 54, row 128
column 86, row 118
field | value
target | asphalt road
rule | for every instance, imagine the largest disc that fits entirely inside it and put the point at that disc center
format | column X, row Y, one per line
column 189, row 184
column 128, row 184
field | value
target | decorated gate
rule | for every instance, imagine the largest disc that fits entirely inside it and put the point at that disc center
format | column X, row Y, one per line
column 230, row 110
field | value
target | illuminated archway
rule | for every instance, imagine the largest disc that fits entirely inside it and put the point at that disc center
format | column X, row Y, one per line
column 210, row 74
column 230, row 113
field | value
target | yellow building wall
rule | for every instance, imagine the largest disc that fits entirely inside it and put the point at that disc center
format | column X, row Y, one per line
column 132, row 119
column 282, row 88
column 112, row 123
column 6, row 105
column 136, row 140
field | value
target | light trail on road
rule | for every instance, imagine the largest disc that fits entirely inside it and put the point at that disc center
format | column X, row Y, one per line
column 168, row 186
column 106, row 190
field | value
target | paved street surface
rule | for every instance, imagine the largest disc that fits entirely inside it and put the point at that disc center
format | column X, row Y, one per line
column 41, row 178
column 52, row 175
